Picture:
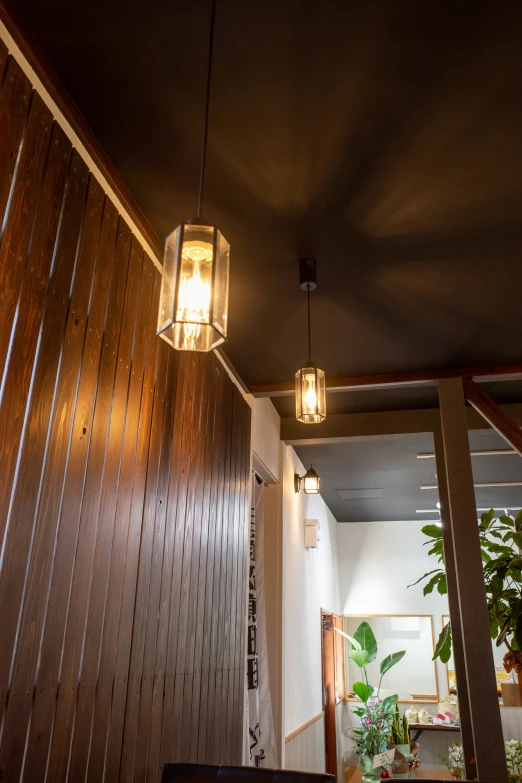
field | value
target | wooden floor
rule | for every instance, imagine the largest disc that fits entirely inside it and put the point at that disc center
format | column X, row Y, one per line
column 352, row 774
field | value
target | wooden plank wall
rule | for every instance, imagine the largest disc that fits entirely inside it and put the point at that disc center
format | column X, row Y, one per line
column 123, row 489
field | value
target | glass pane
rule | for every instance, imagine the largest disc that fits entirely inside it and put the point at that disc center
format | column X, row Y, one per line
column 220, row 315
column 168, row 283
column 310, row 398
column 413, row 678
column 298, row 409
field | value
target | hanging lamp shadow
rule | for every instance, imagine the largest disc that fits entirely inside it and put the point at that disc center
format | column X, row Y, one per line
column 310, row 381
column 193, row 309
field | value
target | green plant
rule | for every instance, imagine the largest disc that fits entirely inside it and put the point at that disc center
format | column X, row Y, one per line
column 500, row 544
column 400, row 733
column 364, row 651
column 372, row 737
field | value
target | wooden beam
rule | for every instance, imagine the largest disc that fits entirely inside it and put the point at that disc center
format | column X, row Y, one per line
column 454, row 608
column 493, row 414
column 478, row 654
column 343, row 427
column 507, row 372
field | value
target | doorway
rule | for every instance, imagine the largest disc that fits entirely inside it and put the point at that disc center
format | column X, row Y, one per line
column 333, row 685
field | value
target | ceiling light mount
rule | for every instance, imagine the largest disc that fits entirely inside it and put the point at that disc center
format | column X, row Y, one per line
column 310, row 381
column 193, row 310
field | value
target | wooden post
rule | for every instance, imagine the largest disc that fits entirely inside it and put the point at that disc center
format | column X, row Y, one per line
column 478, row 653
column 454, row 609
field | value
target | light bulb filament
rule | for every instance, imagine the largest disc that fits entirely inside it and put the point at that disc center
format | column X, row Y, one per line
column 310, row 396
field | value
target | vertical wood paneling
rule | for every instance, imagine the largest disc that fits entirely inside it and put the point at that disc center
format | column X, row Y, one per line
column 123, row 490
column 306, row 751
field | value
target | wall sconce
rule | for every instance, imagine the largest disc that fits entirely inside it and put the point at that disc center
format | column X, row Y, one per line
column 310, row 482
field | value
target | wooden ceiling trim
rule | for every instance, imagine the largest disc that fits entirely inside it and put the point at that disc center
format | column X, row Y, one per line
column 493, row 414
column 506, row 372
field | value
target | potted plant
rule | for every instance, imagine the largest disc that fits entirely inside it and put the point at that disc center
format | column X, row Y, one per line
column 500, row 543
column 376, row 717
column 400, row 740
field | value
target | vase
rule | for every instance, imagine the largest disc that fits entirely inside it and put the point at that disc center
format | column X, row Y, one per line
column 369, row 777
column 401, row 765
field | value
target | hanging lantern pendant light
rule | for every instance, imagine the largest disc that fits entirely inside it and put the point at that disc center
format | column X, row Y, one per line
column 193, row 308
column 310, row 382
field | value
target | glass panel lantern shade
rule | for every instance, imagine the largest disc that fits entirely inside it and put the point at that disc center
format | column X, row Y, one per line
column 311, row 482
column 310, row 394
column 194, row 288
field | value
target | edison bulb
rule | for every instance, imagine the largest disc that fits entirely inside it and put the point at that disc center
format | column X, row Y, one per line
column 194, row 291
column 310, row 396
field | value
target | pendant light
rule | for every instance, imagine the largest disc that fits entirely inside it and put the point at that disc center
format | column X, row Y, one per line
column 310, row 383
column 194, row 287
column 310, row 482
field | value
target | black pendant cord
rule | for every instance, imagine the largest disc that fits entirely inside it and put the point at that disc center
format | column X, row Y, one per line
column 309, row 328
column 207, row 106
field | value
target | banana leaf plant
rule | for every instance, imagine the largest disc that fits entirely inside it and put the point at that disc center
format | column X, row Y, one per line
column 500, row 544
column 364, row 651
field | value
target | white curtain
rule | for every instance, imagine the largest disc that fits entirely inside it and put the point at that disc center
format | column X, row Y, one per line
column 261, row 738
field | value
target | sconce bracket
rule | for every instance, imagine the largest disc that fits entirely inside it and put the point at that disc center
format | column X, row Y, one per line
column 297, row 482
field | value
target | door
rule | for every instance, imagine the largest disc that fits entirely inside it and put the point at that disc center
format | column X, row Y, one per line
column 329, row 691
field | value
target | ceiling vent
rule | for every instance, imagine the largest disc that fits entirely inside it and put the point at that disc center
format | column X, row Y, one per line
column 360, row 494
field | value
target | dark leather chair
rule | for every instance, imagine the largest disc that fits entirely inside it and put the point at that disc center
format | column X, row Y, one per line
column 203, row 773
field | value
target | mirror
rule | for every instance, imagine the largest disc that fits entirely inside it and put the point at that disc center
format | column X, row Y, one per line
column 414, row 678
column 498, row 658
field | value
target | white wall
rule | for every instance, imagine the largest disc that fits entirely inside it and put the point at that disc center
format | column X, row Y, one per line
column 266, row 426
column 377, row 562
column 310, row 583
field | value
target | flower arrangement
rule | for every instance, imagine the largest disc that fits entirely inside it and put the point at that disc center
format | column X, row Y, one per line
column 372, row 736
column 514, row 760
column 454, row 761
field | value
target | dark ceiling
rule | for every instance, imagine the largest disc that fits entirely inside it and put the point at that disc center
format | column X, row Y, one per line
column 382, row 137
column 391, row 464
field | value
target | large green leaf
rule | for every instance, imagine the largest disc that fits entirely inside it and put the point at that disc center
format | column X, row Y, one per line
column 360, row 657
column 504, row 632
column 442, row 587
column 391, row 660
column 362, row 690
column 355, row 643
column 435, row 571
column 428, row 587
column 518, row 632
column 364, row 635
column 518, row 520
column 433, row 531
column 443, row 647
column 388, row 704
column 486, row 519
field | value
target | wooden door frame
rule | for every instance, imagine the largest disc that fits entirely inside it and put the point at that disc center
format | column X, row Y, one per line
column 329, row 705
